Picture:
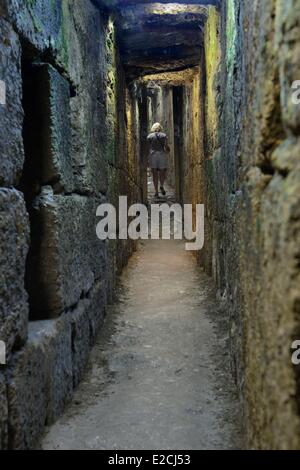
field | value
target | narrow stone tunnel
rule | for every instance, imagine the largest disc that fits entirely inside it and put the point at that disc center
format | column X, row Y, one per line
column 121, row 344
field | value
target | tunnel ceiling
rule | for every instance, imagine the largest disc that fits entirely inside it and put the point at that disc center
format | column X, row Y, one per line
column 159, row 36
column 124, row 3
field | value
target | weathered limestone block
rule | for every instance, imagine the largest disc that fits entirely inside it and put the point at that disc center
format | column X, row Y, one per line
column 80, row 340
column 269, row 228
column 212, row 62
column 3, row 413
column 14, row 238
column 88, row 107
column 58, row 29
column 111, row 270
column 56, row 339
column 78, row 142
column 66, row 257
column 39, row 381
column 88, row 146
column 218, row 255
column 97, row 308
column 11, row 114
column 26, row 386
column 78, row 52
column 288, row 50
column 272, row 320
column 43, row 277
column 41, row 376
column 86, row 321
column 286, row 156
column 52, row 95
column 37, row 21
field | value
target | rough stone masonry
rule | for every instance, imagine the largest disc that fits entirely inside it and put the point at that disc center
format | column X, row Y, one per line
column 72, row 134
column 253, row 196
column 63, row 151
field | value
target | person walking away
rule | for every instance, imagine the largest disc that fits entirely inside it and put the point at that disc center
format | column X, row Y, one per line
column 158, row 156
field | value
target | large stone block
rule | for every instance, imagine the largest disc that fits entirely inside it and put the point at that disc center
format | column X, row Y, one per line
column 37, row 21
column 11, row 113
column 41, row 376
column 66, row 257
column 97, row 308
column 57, row 339
column 14, row 238
column 288, row 50
column 273, row 319
column 27, row 396
column 86, row 321
column 50, row 128
column 89, row 143
column 80, row 340
column 39, row 381
column 57, row 30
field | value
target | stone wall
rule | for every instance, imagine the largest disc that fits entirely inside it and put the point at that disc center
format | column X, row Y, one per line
column 72, row 135
column 63, row 146
column 253, row 201
column 193, row 138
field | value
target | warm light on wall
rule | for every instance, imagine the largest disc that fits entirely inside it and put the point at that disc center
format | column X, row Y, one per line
column 175, row 78
column 173, row 9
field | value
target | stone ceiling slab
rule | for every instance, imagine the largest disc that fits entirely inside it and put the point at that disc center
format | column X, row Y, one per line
column 142, row 41
column 178, row 78
column 159, row 36
column 122, row 3
column 157, row 14
column 160, row 60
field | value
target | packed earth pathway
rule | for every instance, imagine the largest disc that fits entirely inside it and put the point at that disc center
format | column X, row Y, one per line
column 159, row 375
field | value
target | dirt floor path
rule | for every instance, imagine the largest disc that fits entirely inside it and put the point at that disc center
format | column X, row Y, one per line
column 158, row 376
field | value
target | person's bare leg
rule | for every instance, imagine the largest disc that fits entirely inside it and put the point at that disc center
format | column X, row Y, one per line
column 155, row 180
column 162, row 179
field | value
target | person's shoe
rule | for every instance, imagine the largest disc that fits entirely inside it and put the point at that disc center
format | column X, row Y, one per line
column 156, row 196
column 163, row 192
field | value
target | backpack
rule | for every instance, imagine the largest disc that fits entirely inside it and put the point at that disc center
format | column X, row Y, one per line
column 166, row 148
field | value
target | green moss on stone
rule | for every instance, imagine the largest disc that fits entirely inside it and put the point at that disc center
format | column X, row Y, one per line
column 231, row 34
column 63, row 41
column 212, row 58
column 31, row 3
